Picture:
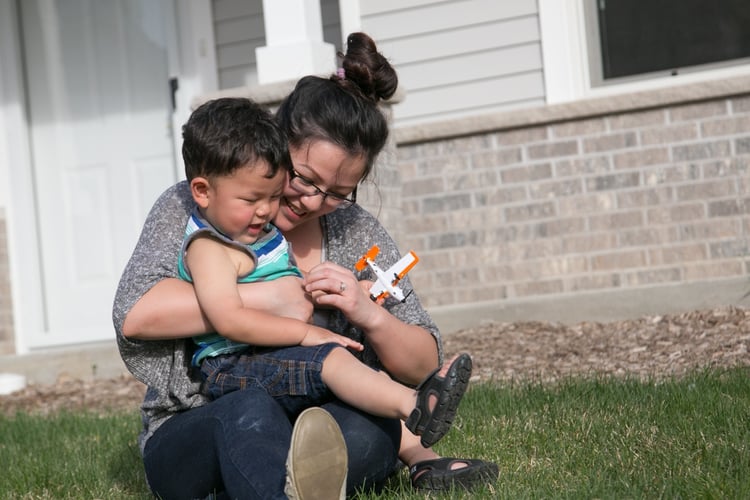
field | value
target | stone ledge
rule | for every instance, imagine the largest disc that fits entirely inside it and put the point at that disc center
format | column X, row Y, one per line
column 585, row 108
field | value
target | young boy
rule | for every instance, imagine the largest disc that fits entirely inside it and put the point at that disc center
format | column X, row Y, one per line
column 236, row 162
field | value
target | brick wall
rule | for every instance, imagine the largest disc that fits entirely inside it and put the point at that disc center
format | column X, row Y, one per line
column 582, row 199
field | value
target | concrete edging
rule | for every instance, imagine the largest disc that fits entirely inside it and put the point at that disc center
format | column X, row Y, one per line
column 601, row 306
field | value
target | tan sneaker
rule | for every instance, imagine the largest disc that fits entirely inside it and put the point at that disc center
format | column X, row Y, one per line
column 317, row 463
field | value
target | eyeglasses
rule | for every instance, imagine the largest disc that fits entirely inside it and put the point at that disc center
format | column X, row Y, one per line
column 306, row 187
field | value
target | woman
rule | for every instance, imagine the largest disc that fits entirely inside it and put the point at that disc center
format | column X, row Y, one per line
column 335, row 132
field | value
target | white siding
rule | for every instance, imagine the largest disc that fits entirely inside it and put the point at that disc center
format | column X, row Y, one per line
column 459, row 58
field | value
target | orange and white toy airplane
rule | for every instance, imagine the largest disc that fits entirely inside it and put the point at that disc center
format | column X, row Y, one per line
column 387, row 281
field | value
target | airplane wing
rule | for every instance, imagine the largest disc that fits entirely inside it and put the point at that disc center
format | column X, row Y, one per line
column 369, row 256
column 403, row 266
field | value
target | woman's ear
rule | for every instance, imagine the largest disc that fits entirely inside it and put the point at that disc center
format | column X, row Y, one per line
column 199, row 188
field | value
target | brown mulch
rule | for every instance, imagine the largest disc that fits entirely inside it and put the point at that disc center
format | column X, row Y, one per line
column 652, row 346
column 100, row 395
column 648, row 347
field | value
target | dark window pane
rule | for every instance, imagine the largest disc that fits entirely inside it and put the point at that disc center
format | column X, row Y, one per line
column 641, row 36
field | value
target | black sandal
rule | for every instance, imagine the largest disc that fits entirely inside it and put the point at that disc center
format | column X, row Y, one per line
column 437, row 475
column 433, row 424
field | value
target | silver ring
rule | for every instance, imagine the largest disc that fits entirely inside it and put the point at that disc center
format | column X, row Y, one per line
column 342, row 287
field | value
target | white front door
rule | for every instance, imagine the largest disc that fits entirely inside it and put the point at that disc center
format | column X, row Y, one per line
column 101, row 146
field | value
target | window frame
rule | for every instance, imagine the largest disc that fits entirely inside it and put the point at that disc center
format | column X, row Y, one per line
column 571, row 54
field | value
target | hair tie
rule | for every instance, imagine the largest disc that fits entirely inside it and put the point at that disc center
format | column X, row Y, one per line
column 341, row 73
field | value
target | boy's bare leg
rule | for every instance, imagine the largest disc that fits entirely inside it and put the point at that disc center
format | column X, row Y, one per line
column 369, row 390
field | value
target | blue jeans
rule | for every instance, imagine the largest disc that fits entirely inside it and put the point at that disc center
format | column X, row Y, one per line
column 236, row 447
column 292, row 375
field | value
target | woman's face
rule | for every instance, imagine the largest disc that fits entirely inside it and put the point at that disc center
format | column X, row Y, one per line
column 331, row 169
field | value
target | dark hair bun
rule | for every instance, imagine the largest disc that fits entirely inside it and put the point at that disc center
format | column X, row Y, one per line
column 367, row 68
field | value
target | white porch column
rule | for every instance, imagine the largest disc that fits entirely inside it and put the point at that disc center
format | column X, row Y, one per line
column 294, row 42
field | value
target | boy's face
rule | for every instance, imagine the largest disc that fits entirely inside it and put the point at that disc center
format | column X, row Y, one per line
column 240, row 205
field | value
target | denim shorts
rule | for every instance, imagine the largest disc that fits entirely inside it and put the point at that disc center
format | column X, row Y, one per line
column 291, row 375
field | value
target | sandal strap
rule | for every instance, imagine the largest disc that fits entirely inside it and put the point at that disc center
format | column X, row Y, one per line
column 432, row 423
column 427, row 379
column 445, row 464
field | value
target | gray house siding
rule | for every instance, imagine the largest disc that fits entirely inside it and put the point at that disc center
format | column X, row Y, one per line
column 329, row 11
column 454, row 59
column 239, row 30
column 460, row 58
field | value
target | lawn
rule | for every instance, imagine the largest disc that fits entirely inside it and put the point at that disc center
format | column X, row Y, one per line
column 588, row 437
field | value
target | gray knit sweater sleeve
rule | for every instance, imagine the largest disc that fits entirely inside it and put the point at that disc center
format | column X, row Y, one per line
column 164, row 366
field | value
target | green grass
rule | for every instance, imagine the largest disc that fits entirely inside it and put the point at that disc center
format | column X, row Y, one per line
column 71, row 456
column 580, row 438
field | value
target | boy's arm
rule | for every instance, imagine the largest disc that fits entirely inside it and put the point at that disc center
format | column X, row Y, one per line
column 214, row 274
column 152, row 303
column 170, row 309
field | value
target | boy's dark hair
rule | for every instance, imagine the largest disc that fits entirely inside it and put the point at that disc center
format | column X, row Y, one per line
column 343, row 109
column 226, row 133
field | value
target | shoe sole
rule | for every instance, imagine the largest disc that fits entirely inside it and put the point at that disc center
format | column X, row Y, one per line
column 317, row 461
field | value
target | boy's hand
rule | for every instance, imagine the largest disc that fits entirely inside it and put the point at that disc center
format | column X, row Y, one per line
column 317, row 336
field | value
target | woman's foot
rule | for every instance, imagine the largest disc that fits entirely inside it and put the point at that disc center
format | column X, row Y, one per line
column 438, row 397
column 446, row 473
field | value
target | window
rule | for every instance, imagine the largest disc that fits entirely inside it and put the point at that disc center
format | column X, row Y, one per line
column 639, row 37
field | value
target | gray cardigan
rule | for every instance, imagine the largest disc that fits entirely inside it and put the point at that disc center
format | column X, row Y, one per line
column 164, row 366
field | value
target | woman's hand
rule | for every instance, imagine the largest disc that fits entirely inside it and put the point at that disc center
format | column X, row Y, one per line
column 408, row 352
column 335, row 286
